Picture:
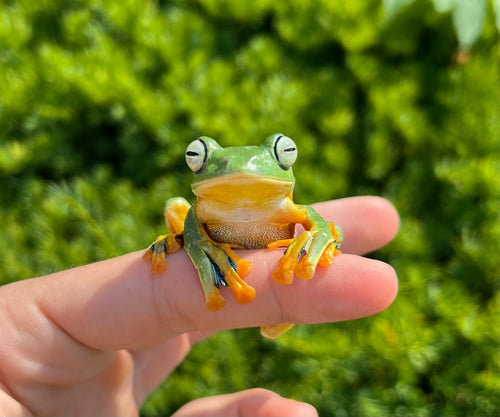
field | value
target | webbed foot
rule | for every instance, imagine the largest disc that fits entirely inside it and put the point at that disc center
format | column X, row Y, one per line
column 304, row 253
column 217, row 266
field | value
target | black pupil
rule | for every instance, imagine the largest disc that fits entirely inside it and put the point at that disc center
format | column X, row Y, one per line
column 292, row 149
column 192, row 153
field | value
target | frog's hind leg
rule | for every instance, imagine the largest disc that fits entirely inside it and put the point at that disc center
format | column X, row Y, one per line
column 242, row 266
column 211, row 277
column 216, row 268
column 175, row 212
column 228, row 267
column 217, row 265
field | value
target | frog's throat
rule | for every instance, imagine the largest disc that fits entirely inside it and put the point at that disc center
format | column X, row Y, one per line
column 243, row 189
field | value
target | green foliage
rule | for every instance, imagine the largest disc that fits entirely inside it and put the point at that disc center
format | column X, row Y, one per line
column 468, row 16
column 99, row 99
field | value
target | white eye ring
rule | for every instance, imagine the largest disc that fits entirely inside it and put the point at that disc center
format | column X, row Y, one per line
column 196, row 155
column 285, row 151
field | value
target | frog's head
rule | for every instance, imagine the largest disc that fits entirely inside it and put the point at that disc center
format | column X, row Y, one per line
column 248, row 174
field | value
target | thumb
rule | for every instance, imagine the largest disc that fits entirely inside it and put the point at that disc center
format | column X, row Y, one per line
column 255, row 402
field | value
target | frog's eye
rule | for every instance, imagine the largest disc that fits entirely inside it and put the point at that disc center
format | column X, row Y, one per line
column 285, row 151
column 196, row 155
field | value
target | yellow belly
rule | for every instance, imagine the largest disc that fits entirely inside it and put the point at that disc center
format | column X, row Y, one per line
column 249, row 235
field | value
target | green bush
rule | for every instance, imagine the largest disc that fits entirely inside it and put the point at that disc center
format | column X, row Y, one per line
column 99, row 99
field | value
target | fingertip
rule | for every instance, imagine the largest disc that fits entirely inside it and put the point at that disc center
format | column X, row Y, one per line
column 386, row 212
column 368, row 222
column 373, row 285
column 386, row 281
column 382, row 226
column 286, row 407
column 305, row 410
column 250, row 403
column 352, row 288
column 261, row 402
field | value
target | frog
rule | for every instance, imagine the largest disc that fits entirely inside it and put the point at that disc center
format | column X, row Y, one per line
column 244, row 200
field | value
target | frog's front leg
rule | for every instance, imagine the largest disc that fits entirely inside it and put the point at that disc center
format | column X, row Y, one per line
column 217, row 265
column 175, row 212
column 317, row 245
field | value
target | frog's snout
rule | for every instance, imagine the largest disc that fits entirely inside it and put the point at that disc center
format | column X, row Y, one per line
column 231, row 164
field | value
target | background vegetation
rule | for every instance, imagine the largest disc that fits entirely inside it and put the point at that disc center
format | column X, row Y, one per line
column 400, row 98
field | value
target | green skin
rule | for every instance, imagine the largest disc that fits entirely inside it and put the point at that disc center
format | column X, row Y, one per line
column 241, row 193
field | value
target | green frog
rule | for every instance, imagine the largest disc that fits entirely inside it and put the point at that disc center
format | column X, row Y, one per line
column 244, row 201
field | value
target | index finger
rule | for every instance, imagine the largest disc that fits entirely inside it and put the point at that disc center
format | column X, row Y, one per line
column 119, row 303
column 368, row 222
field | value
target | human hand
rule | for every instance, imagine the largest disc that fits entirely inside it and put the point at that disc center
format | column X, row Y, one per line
column 97, row 339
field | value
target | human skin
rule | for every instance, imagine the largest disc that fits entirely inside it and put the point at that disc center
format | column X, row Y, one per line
column 97, row 339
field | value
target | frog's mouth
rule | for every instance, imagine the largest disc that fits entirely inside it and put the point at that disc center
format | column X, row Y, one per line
column 243, row 189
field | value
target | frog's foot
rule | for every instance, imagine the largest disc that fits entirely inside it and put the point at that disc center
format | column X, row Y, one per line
column 159, row 248
column 242, row 267
column 226, row 266
column 305, row 252
column 219, row 266
column 332, row 249
column 275, row 330
column 289, row 263
column 214, row 299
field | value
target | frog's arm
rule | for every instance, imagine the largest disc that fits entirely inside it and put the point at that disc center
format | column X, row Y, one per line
column 317, row 245
column 216, row 263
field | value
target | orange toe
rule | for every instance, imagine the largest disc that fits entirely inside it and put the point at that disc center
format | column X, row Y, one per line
column 245, row 295
column 327, row 256
column 148, row 255
column 158, row 263
column 304, row 270
column 215, row 302
column 243, row 267
column 283, row 276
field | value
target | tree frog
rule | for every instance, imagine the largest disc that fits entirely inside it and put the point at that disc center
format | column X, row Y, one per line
column 244, row 200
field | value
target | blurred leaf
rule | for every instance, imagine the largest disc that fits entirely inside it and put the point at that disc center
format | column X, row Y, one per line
column 496, row 8
column 468, row 18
